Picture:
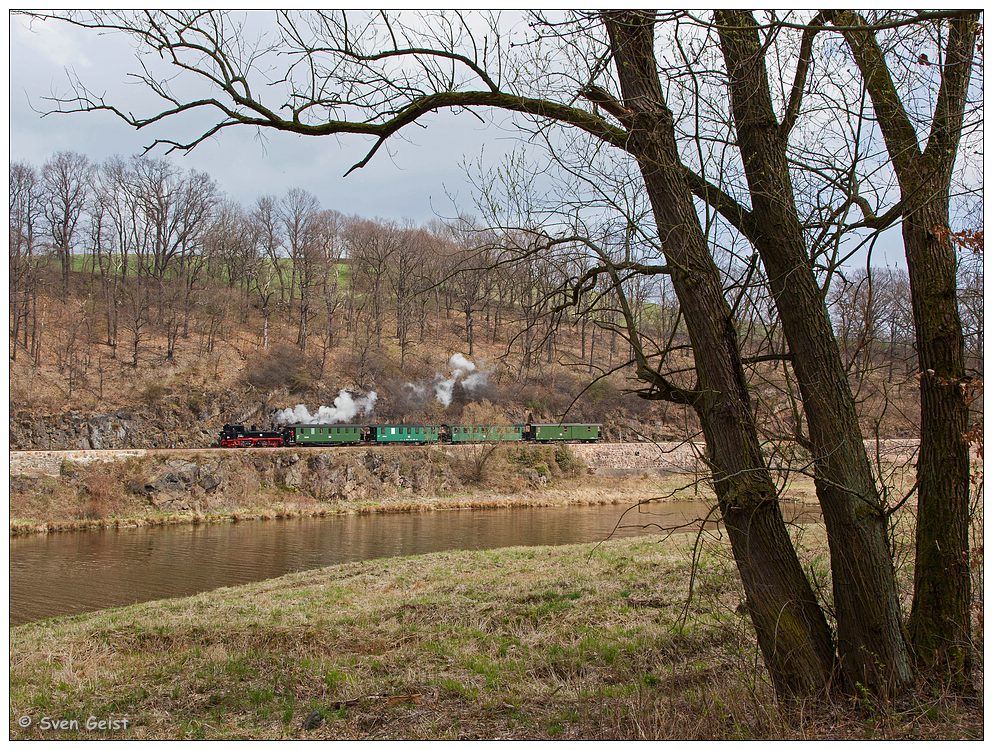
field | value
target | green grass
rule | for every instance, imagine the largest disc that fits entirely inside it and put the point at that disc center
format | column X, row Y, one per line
column 85, row 262
column 541, row 642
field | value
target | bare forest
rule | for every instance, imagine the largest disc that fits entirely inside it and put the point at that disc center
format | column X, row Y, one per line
column 136, row 284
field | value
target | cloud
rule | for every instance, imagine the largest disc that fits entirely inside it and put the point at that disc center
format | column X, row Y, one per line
column 57, row 43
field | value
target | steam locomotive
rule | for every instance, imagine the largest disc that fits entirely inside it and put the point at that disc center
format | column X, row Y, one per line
column 237, row 436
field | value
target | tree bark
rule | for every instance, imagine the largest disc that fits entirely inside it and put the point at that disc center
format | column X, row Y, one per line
column 792, row 632
column 940, row 621
column 871, row 644
column 940, row 625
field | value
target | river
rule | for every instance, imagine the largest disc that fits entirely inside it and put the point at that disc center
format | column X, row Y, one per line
column 73, row 572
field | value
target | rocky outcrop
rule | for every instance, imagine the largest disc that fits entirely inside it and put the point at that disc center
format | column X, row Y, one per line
column 181, row 485
column 117, row 430
column 47, row 485
column 199, row 481
column 172, row 422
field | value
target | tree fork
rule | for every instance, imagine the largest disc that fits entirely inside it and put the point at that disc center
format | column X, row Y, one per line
column 800, row 656
column 940, row 623
column 870, row 638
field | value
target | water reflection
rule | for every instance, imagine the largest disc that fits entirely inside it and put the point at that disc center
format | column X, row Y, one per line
column 69, row 573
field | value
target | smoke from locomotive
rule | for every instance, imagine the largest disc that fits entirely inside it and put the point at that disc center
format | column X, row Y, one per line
column 345, row 408
column 462, row 369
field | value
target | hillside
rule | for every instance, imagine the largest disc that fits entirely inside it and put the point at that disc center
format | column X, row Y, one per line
column 207, row 363
column 219, row 372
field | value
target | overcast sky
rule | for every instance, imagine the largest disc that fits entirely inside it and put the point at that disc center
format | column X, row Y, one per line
column 413, row 179
column 417, row 177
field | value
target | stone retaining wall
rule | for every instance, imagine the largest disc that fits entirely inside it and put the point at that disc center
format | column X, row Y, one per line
column 602, row 458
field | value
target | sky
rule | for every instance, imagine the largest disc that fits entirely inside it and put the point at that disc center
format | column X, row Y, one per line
column 414, row 178
column 419, row 176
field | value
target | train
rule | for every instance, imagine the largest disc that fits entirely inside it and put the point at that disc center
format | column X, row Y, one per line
column 327, row 435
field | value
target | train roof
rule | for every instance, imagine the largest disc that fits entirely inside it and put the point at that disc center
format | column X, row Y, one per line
column 332, row 424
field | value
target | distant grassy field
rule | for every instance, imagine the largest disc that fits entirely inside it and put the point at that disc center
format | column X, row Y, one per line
column 86, row 263
column 538, row 643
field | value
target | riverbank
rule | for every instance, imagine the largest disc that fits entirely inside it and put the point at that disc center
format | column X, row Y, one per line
column 569, row 642
column 91, row 490
column 593, row 491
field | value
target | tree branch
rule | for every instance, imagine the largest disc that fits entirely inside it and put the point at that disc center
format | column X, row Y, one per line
column 946, row 126
column 800, row 78
column 898, row 131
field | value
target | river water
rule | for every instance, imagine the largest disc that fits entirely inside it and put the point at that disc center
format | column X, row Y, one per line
column 72, row 572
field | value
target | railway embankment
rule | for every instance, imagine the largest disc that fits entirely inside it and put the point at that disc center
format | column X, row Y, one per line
column 87, row 489
column 601, row 458
column 84, row 489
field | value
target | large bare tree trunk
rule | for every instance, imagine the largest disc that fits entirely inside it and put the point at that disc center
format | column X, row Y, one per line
column 871, row 644
column 792, row 632
column 940, row 624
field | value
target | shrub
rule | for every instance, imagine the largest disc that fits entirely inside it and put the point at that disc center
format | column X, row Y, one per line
column 283, row 366
column 567, row 461
column 475, row 463
column 154, row 392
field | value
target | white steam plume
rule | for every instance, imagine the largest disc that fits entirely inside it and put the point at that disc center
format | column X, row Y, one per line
column 345, row 408
column 462, row 368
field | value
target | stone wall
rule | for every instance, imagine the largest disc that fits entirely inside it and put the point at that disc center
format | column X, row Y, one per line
column 602, row 458
column 626, row 458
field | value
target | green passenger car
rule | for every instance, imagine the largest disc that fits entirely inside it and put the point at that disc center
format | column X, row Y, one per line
column 328, row 434
column 405, row 433
column 486, row 433
column 587, row 433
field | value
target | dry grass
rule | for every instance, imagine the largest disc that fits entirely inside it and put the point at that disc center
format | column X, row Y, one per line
column 95, row 496
column 537, row 643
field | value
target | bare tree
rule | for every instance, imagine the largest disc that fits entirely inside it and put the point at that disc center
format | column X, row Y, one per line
column 297, row 210
column 472, row 259
column 318, row 260
column 135, row 317
column 371, row 247
column 24, row 216
column 940, row 622
column 607, row 85
column 268, row 232
column 404, row 272
column 66, row 183
column 108, row 257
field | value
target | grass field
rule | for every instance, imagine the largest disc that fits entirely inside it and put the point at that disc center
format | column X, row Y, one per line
column 541, row 643
column 86, row 262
